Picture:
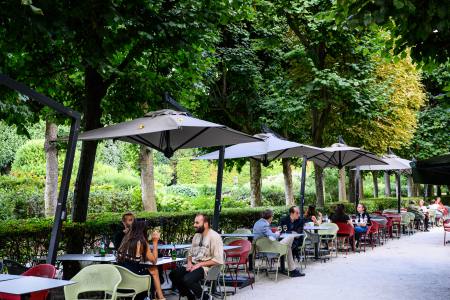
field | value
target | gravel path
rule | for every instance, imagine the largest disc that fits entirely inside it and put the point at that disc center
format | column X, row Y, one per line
column 413, row 267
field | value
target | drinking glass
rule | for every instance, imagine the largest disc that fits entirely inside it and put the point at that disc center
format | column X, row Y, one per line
column 279, row 228
column 284, row 228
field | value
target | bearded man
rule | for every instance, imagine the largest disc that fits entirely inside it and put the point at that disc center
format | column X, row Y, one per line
column 206, row 251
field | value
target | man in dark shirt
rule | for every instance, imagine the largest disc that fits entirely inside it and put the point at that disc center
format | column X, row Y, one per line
column 127, row 220
column 293, row 223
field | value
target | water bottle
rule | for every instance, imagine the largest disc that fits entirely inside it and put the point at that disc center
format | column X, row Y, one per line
column 102, row 249
column 173, row 253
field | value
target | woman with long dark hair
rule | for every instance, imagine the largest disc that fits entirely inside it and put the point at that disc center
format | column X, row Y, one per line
column 312, row 216
column 135, row 249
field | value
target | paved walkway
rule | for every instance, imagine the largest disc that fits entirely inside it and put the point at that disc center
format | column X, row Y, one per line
column 413, row 267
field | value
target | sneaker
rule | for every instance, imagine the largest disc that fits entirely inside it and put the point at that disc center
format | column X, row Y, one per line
column 296, row 273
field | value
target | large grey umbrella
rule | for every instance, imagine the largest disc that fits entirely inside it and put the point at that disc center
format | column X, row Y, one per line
column 168, row 131
column 340, row 155
column 393, row 163
column 272, row 147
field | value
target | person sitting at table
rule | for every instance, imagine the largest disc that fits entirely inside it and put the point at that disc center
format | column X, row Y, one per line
column 127, row 221
column 339, row 215
column 135, row 249
column 362, row 221
column 262, row 229
column 293, row 223
column 419, row 216
column 424, row 210
column 312, row 216
column 206, row 251
column 441, row 207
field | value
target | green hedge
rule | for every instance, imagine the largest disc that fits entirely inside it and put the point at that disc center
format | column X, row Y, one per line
column 22, row 240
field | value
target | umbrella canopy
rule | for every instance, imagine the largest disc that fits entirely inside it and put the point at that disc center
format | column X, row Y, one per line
column 271, row 147
column 169, row 130
column 340, row 155
column 393, row 163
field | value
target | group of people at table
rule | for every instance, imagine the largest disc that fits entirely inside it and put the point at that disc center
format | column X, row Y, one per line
column 207, row 249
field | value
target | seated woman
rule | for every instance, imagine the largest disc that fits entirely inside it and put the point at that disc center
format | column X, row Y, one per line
column 312, row 216
column 134, row 249
column 362, row 221
column 339, row 216
column 441, row 207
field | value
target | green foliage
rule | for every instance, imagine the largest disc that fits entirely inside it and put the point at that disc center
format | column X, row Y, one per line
column 30, row 158
column 422, row 26
column 10, row 141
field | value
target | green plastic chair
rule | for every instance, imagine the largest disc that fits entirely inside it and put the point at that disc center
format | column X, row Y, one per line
column 432, row 216
column 411, row 227
column 132, row 282
column 271, row 250
column 406, row 220
column 329, row 235
column 94, row 278
column 228, row 240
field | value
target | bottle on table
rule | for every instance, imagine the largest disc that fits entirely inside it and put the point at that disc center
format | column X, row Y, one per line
column 173, row 253
column 102, row 249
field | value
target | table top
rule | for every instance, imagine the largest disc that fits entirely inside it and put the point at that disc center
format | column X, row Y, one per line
column 87, row 257
column 316, row 228
column 169, row 246
column 29, row 284
column 294, row 234
column 164, row 260
column 238, row 235
column 4, row 277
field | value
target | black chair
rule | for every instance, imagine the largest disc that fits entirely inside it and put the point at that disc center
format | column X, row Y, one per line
column 13, row 267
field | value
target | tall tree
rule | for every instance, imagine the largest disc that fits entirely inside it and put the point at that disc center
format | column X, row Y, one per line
column 51, row 172
column 147, row 179
column 107, row 57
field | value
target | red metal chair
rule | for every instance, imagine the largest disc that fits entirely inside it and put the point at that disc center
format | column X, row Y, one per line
column 396, row 223
column 236, row 258
column 44, row 270
column 374, row 233
column 446, row 226
column 364, row 238
column 345, row 233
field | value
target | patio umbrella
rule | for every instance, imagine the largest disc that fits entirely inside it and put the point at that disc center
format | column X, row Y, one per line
column 393, row 163
column 340, row 155
column 270, row 148
column 168, row 131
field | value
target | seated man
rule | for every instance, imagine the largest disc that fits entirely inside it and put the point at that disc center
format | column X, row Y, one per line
column 206, row 251
column 262, row 229
column 293, row 223
column 419, row 216
column 127, row 221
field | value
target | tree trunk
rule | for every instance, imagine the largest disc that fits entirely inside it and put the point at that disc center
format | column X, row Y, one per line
column 51, row 169
column 255, row 183
column 288, row 189
column 147, row 179
column 95, row 91
column 375, row 183
column 387, row 184
column 352, row 186
column 396, row 186
column 320, row 191
column 410, row 185
column 438, row 191
column 429, row 190
column 361, row 186
column 341, row 185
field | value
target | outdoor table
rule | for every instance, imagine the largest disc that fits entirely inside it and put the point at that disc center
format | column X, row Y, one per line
column 170, row 247
column 4, row 277
column 28, row 284
column 87, row 257
column 316, row 243
column 164, row 261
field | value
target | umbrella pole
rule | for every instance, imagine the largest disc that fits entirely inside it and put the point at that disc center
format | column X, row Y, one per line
column 399, row 192
column 302, row 187
column 217, row 203
column 357, row 183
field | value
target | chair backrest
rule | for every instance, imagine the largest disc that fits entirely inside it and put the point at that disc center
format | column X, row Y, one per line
column 374, row 227
column 431, row 213
column 241, row 252
column 266, row 245
column 345, row 229
column 14, row 268
column 43, row 270
column 446, row 225
column 213, row 273
column 94, row 278
column 229, row 240
column 132, row 281
column 332, row 229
